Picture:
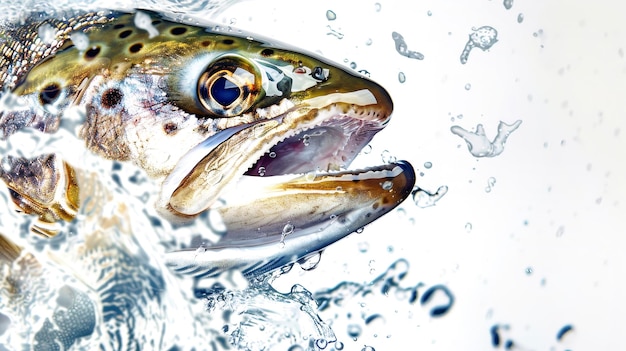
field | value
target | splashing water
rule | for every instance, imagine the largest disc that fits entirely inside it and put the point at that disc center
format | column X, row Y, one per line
column 478, row 143
column 402, row 48
column 423, row 198
column 483, row 38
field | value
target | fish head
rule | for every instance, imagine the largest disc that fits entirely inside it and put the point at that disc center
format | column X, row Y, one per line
column 217, row 115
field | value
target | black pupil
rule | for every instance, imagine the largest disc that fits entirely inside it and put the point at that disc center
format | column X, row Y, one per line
column 224, row 91
column 50, row 93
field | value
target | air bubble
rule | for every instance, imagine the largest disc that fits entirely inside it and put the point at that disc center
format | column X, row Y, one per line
column 529, row 270
column 353, row 65
column 368, row 348
column 321, row 343
column 338, row 345
column 560, row 231
column 272, row 154
column 429, row 13
column 428, row 165
column 468, row 86
column 401, row 77
column 360, row 230
column 377, row 7
column 363, row 246
column 261, row 171
column 368, row 41
column 508, row 4
column 330, row 15
column 367, row 149
column 520, row 18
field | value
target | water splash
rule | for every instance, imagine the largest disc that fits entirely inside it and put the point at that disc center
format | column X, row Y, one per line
column 403, row 49
column 479, row 145
column 261, row 318
column 423, row 198
column 483, row 38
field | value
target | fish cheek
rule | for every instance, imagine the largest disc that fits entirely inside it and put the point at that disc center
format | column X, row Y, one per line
column 103, row 133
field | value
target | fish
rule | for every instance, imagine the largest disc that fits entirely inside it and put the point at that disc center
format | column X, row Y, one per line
column 253, row 132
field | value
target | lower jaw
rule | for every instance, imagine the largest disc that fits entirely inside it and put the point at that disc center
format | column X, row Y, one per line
column 284, row 220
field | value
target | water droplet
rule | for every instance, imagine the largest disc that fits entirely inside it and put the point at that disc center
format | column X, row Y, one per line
column 288, row 229
column 368, row 348
column 363, row 246
column 529, row 270
column 360, row 230
column 429, row 13
column 468, row 86
column 403, row 49
column 354, row 331
column 80, row 40
column 490, row 183
column 520, row 18
column 261, row 171
column 143, row 21
column 338, row 345
column 335, row 33
column 479, row 145
column 353, row 65
column 560, row 231
column 377, row 7
column 387, row 157
column 368, row 41
column 508, row 4
column 330, row 15
column 46, row 33
column 484, row 38
column 423, row 198
column 401, row 77
column 468, row 227
column 310, row 262
column 367, row 149
column 428, row 165
column 321, row 343
column 272, row 154
column 387, row 185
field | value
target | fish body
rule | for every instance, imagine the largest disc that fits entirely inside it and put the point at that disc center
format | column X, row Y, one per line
column 258, row 133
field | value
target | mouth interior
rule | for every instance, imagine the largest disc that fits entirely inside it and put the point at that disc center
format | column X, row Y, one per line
column 330, row 146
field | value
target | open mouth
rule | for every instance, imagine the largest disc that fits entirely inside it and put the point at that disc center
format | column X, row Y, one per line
column 291, row 196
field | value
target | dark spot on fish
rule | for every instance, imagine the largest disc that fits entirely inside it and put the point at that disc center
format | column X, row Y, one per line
column 267, row 52
column 118, row 26
column 228, row 41
column 375, row 205
column 385, row 200
column 125, row 34
column 205, row 43
column 111, row 98
column 178, row 30
column 170, row 127
column 50, row 93
column 92, row 53
column 155, row 22
column 135, row 48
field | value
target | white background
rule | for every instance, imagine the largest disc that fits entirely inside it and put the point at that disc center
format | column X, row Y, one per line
column 546, row 245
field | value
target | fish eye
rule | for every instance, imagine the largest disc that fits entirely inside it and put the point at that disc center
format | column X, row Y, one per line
column 50, row 93
column 229, row 86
